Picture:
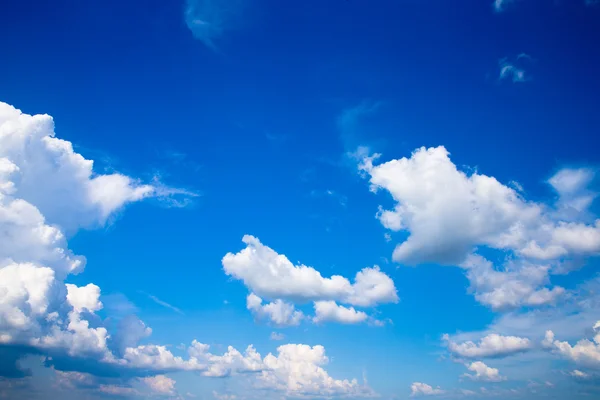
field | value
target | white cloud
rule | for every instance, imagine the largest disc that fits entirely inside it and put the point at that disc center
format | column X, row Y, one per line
column 584, row 352
column 520, row 284
column 47, row 192
column 483, row 373
column 277, row 336
column 492, row 345
column 510, row 71
column 449, row 214
column 326, row 311
column 579, row 374
column 278, row 312
column 116, row 390
column 160, row 384
column 423, row 389
column 84, row 298
column 297, row 371
column 272, row 275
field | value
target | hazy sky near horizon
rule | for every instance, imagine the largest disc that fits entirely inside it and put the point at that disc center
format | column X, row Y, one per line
column 243, row 199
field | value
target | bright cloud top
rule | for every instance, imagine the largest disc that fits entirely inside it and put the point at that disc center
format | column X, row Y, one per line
column 273, row 276
column 585, row 352
column 46, row 189
column 483, row 373
column 423, row 389
column 449, row 214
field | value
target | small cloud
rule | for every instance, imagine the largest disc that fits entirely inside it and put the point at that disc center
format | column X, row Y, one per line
column 209, row 20
column 500, row 5
column 513, row 70
column 163, row 303
column 277, row 336
column 387, row 237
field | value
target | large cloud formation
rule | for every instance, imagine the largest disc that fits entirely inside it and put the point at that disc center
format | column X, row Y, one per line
column 47, row 193
column 449, row 214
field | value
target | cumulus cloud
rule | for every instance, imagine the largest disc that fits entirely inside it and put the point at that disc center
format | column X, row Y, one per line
column 483, row 373
column 160, row 384
column 277, row 336
column 492, row 345
column 278, row 312
column 518, row 284
column 47, row 193
column 448, row 214
column 423, row 389
column 272, row 275
column 585, row 352
column 330, row 311
column 297, row 371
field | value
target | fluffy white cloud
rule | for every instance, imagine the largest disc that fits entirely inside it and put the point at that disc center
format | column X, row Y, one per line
column 277, row 336
column 449, row 214
column 483, row 373
column 160, row 384
column 492, row 345
column 84, row 298
column 423, row 389
column 46, row 192
column 278, row 312
column 326, row 311
column 519, row 284
column 584, row 352
column 297, row 371
column 272, row 275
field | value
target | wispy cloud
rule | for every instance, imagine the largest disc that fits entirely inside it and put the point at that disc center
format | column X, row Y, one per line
column 163, row 303
column 211, row 19
column 514, row 70
column 500, row 5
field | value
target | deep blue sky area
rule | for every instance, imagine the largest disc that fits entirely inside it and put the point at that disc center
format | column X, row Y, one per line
column 255, row 121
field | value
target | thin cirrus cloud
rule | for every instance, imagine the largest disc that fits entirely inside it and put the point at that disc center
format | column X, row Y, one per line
column 163, row 303
column 209, row 20
column 47, row 193
column 448, row 214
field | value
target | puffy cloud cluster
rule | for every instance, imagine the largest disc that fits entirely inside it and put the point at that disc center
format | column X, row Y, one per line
column 279, row 312
column 297, row 371
column 330, row 311
column 273, row 276
column 160, row 384
column 483, row 373
column 492, row 345
column 423, row 389
column 449, row 214
column 585, row 352
column 47, row 193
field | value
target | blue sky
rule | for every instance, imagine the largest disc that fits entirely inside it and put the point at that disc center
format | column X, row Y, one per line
column 339, row 184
